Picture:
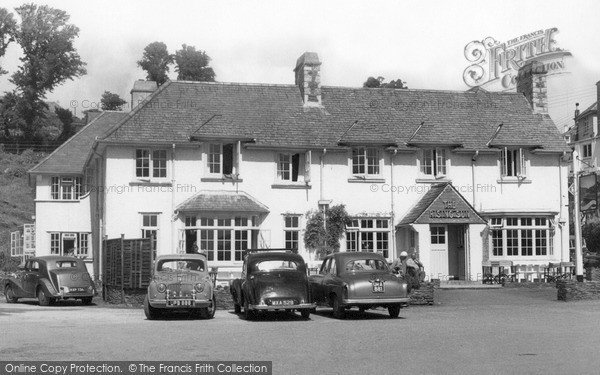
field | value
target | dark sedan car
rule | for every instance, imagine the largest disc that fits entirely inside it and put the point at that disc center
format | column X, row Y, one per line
column 50, row 278
column 358, row 279
column 272, row 281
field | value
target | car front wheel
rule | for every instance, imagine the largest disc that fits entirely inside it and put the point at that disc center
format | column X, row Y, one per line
column 394, row 311
column 42, row 298
column 209, row 312
column 9, row 294
column 151, row 312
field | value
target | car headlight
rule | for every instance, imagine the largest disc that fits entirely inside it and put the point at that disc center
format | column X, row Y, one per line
column 199, row 287
column 161, row 288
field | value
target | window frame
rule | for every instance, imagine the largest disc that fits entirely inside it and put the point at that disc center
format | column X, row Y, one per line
column 291, row 231
column 368, row 162
column 151, row 230
column 155, row 164
column 369, row 234
column 521, row 237
column 59, row 185
column 517, row 163
column 435, row 159
column 586, row 151
column 219, row 162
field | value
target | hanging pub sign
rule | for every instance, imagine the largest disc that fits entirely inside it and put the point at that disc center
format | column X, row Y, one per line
column 496, row 64
column 588, row 192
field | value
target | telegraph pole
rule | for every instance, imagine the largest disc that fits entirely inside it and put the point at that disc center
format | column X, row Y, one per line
column 577, row 219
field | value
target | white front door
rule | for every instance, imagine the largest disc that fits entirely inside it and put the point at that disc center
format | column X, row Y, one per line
column 439, row 252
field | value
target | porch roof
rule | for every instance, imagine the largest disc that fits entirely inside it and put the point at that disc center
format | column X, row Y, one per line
column 442, row 204
column 222, row 201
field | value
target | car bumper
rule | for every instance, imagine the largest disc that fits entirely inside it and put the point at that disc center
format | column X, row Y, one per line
column 282, row 307
column 162, row 304
column 374, row 301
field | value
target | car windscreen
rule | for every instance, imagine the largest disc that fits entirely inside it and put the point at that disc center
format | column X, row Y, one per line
column 180, row 265
column 366, row 265
column 272, row 265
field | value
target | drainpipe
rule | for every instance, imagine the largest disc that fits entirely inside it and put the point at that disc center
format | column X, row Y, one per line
column 172, row 213
column 473, row 160
column 322, row 184
column 392, row 155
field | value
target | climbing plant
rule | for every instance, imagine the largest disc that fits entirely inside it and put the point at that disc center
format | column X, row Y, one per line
column 324, row 230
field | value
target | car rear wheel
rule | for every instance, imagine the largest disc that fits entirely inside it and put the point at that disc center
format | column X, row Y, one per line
column 209, row 312
column 248, row 314
column 151, row 312
column 394, row 311
column 305, row 313
column 42, row 298
column 87, row 300
column 9, row 294
column 338, row 309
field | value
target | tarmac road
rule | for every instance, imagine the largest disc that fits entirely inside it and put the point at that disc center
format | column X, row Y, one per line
column 466, row 332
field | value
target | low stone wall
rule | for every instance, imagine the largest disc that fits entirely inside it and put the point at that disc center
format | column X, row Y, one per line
column 592, row 274
column 571, row 290
column 223, row 297
column 425, row 294
column 132, row 296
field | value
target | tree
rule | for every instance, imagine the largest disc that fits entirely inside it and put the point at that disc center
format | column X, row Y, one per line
column 324, row 230
column 66, row 118
column 8, row 26
column 49, row 59
column 192, row 65
column 155, row 61
column 111, row 102
column 379, row 83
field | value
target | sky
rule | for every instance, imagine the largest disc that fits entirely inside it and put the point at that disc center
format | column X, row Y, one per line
column 421, row 42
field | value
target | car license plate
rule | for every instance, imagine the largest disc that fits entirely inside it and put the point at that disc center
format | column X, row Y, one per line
column 378, row 287
column 76, row 290
column 282, row 302
column 180, row 302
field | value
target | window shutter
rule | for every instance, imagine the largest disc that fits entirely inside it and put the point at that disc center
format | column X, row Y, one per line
column 522, row 163
column 238, row 158
column 307, row 161
column 441, row 162
column 504, row 162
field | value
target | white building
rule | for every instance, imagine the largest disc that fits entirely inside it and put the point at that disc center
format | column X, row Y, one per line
column 461, row 177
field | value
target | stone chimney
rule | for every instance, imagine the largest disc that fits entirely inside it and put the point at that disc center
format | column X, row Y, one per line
column 308, row 78
column 576, row 110
column 141, row 90
column 531, row 82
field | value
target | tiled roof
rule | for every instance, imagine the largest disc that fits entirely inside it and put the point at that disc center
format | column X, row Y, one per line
column 274, row 115
column 71, row 156
column 222, row 201
column 422, row 204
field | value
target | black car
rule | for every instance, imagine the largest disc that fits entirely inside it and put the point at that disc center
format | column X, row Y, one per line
column 272, row 280
column 50, row 278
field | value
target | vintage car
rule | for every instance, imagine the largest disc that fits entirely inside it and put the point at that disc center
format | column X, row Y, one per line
column 180, row 282
column 50, row 278
column 358, row 279
column 272, row 280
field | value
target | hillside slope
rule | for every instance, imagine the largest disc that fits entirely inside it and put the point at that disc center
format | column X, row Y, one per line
column 16, row 196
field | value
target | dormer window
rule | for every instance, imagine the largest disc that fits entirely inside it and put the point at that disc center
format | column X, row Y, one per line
column 434, row 163
column 513, row 162
column 365, row 161
column 221, row 160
